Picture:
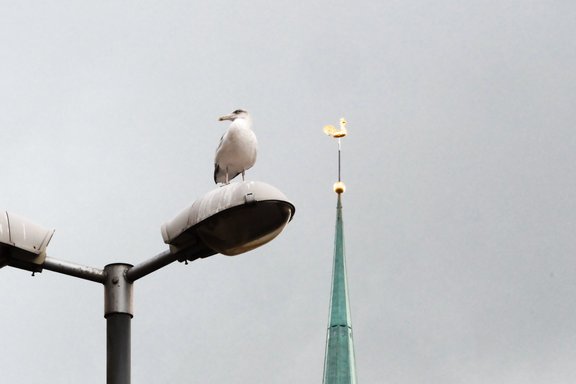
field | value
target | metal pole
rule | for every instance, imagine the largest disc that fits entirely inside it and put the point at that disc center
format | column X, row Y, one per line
column 118, row 311
column 73, row 269
column 339, row 150
column 164, row 258
column 118, row 348
column 151, row 265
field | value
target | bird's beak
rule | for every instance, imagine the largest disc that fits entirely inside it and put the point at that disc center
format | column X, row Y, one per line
column 227, row 117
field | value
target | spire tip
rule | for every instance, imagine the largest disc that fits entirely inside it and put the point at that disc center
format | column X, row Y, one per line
column 336, row 133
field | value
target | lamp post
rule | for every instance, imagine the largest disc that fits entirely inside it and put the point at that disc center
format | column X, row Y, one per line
column 231, row 220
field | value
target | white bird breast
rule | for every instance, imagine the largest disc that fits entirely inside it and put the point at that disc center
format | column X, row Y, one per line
column 238, row 149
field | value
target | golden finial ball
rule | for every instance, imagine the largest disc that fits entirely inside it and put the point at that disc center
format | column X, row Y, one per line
column 339, row 187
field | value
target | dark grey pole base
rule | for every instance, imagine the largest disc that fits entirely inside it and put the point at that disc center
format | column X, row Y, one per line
column 118, row 330
column 118, row 313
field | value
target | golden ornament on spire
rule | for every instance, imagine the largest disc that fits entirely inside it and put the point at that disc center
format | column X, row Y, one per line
column 331, row 130
column 336, row 133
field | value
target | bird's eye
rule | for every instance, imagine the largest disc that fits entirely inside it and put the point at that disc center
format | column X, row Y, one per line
column 238, row 111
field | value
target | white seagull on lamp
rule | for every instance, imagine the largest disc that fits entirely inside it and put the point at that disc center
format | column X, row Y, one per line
column 238, row 148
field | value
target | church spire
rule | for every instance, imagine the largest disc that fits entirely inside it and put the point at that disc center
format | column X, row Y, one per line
column 339, row 363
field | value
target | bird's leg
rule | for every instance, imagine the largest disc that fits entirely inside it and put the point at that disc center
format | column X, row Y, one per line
column 227, row 175
column 243, row 175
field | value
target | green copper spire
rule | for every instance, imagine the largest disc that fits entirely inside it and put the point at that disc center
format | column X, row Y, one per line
column 339, row 364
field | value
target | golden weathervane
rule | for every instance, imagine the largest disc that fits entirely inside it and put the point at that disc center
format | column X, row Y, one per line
column 338, row 133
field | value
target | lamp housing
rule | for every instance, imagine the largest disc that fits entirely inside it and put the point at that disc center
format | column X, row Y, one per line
column 231, row 219
column 22, row 243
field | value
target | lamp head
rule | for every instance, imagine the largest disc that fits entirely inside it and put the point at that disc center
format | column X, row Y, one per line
column 231, row 220
column 22, row 243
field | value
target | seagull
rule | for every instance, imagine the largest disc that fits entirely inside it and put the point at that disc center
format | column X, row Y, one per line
column 238, row 148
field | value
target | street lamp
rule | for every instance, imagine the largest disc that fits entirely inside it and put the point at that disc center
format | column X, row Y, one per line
column 228, row 219
column 22, row 243
column 231, row 219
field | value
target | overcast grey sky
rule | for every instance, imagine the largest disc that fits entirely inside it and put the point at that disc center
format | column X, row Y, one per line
column 460, row 166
